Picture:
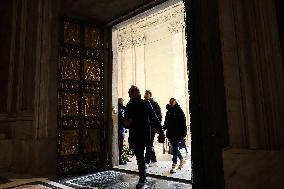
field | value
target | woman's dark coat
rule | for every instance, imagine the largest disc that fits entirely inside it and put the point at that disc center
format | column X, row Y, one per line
column 175, row 123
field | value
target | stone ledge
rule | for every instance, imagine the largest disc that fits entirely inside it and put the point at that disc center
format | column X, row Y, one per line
column 249, row 169
column 33, row 157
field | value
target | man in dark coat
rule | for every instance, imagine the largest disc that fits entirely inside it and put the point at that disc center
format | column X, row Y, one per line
column 138, row 115
column 175, row 124
column 150, row 155
column 121, row 129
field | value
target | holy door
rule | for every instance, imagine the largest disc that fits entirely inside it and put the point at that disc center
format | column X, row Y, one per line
column 80, row 142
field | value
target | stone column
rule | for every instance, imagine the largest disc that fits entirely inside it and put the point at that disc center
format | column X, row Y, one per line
column 233, row 49
column 17, row 56
column 12, row 55
column 125, row 59
column 119, row 75
column 45, row 91
column 268, row 73
column 186, row 90
column 176, row 29
column 116, row 69
column 21, row 56
column 253, row 74
column 139, row 56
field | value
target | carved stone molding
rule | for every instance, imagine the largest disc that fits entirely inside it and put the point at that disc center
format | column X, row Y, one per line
column 129, row 40
column 124, row 40
column 176, row 26
column 138, row 40
column 133, row 34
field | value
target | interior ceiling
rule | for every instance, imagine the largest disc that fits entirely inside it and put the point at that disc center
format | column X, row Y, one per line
column 103, row 11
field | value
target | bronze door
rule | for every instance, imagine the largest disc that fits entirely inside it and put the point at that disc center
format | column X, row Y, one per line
column 80, row 129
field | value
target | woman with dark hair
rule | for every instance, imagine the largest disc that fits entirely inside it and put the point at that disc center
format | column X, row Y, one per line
column 175, row 125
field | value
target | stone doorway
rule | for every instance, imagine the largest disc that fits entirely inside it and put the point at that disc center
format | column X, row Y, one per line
column 149, row 50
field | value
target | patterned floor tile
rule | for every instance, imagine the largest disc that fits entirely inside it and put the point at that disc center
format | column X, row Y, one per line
column 162, row 167
column 119, row 180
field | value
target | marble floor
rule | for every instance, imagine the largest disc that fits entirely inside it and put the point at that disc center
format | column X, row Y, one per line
column 162, row 168
column 102, row 180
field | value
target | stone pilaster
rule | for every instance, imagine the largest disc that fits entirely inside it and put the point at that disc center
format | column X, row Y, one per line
column 178, row 65
column 268, row 73
column 253, row 74
column 12, row 56
column 233, row 49
column 139, row 51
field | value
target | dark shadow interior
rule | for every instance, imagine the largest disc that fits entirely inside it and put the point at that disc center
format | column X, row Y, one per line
column 280, row 18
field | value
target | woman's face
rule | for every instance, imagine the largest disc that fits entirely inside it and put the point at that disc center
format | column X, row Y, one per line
column 147, row 96
column 172, row 102
column 120, row 101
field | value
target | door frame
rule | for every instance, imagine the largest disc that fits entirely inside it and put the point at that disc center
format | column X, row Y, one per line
column 209, row 127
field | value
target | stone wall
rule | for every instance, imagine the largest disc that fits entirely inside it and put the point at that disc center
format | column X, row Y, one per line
column 254, row 83
column 149, row 51
column 253, row 74
column 28, row 112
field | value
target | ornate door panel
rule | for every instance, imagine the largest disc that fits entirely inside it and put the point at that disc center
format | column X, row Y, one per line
column 80, row 99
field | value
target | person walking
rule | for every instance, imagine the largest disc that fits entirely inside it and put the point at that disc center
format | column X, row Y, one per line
column 137, row 119
column 121, row 129
column 150, row 156
column 175, row 125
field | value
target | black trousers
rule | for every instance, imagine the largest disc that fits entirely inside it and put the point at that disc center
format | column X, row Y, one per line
column 150, row 155
column 139, row 153
column 120, row 145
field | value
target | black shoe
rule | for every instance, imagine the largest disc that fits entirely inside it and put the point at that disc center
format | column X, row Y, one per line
column 142, row 185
